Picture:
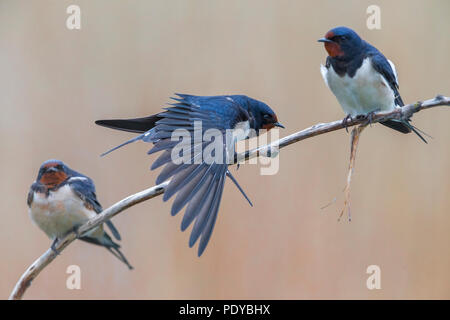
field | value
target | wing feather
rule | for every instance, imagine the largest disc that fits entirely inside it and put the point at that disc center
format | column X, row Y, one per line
column 84, row 188
column 198, row 185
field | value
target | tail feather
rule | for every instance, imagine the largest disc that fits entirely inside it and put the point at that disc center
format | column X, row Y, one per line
column 119, row 255
column 113, row 229
column 415, row 130
column 138, row 125
column 397, row 125
column 139, row 137
column 110, row 245
column 403, row 126
column 239, row 187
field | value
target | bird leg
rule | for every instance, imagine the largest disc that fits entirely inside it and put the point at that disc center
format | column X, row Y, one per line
column 273, row 152
column 356, row 132
column 55, row 241
column 345, row 121
column 77, row 233
column 370, row 115
column 53, row 246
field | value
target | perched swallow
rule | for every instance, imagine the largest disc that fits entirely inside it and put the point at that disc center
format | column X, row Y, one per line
column 61, row 200
column 361, row 78
column 198, row 184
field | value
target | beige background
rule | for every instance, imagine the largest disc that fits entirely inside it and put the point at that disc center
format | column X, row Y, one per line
column 131, row 56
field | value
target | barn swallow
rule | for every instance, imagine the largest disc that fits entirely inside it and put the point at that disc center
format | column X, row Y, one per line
column 361, row 78
column 198, row 185
column 61, row 200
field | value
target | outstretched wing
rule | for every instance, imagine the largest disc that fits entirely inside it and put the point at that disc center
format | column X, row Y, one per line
column 84, row 188
column 198, row 180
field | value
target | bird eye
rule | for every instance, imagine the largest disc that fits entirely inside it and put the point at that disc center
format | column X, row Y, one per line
column 338, row 38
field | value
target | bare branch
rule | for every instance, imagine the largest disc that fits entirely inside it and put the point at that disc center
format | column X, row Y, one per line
column 33, row 271
column 400, row 113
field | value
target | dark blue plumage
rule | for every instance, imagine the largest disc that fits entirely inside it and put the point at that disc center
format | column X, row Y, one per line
column 62, row 199
column 198, row 182
column 361, row 77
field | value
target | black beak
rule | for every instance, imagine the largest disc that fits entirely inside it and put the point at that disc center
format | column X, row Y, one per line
column 277, row 124
column 52, row 169
column 325, row 40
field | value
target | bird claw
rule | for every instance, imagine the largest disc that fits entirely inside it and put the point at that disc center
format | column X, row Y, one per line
column 76, row 231
column 273, row 152
column 369, row 116
column 53, row 247
column 345, row 121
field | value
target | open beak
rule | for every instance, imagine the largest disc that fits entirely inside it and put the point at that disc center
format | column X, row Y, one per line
column 277, row 124
column 325, row 40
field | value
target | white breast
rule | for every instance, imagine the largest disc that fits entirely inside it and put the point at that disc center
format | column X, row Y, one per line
column 367, row 91
column 58, row 213
column 240, row 132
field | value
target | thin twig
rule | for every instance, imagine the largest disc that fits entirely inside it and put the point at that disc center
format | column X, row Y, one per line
column 33, row 271
column 356, row 134
column 321, row 128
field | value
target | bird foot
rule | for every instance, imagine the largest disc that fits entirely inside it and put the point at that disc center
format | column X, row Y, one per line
column 345, row 121
column 53, row 246
column 273, row 152
column 76, row 231
column 368, row 117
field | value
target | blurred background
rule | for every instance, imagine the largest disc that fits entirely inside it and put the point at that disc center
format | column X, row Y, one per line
column 127, row 60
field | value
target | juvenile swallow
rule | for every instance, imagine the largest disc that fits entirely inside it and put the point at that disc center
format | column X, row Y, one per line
column 61, row 200
column 199, row 183
column 361, row 78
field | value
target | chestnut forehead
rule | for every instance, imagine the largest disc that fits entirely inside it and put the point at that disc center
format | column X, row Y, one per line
column 329, row 35
column 51, row 164
column 53, row 178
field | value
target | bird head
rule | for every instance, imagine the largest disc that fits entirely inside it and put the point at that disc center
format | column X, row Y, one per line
column 342, row 43
column 52, row 173
column 264, row 116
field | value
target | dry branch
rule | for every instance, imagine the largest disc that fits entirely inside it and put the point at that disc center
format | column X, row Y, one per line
column 32, row 272
column 400, row 113
column 356, row 134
